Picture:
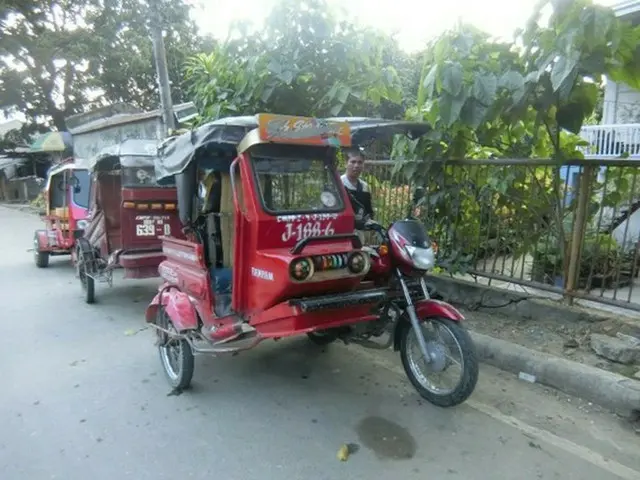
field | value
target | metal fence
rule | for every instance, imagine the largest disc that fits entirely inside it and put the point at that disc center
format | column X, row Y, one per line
column 571, row 228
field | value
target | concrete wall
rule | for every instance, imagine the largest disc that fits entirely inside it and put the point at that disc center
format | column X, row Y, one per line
column 87, row 145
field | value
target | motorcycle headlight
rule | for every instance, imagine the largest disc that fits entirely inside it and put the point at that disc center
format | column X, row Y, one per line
column 422, row 258
column 82, row 224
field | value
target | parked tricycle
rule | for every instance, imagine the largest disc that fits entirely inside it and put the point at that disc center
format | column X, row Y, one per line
column 128, row 215
column 66, row 196
column 271, row 252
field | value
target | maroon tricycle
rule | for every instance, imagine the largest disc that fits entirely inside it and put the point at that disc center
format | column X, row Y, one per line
column 129, row 212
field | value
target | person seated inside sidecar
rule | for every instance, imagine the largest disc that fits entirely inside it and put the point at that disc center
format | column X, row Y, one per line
column 216, row 206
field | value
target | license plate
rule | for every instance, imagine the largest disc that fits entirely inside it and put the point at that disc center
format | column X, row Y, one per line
column 153, row 225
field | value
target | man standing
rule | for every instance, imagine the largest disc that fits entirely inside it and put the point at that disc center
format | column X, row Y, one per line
column 357, row 189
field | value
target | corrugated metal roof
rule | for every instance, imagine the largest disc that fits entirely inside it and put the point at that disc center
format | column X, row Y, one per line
column 123, row 118
column 119, row 119
column 6, row 127
column 10, row 161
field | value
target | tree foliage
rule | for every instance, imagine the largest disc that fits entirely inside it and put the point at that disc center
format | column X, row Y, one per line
column 306, row 61
column 61, row 57
column 527, row 99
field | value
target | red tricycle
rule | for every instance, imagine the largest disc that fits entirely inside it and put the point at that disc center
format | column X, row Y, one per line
column 272, row 252
column 128, row 215
column 66, row 196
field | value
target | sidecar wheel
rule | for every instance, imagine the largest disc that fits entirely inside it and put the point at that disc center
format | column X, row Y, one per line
column 175, row 354
column 41, row 258
column 322, row 338
column 419, row 372
column 87, row 282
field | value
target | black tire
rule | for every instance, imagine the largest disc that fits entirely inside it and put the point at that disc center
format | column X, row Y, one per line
column 41, row 258
column 322, row 338
column 469, row 377
column 87, row 283
column 181, row 379
column 89, row 290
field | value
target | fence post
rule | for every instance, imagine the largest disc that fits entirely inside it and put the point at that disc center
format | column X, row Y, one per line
column 577, row 235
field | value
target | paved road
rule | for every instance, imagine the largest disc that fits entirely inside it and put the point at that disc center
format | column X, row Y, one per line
column 83, row 397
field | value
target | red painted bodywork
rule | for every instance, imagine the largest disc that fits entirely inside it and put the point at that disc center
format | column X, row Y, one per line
column 260, row 246
column 113, row 224
column 263, row 300
column 57, row 238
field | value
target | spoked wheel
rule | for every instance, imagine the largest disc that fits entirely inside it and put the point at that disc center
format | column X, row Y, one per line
column 322, row 338
column 87, row 282
column 41, row 258
column 453, row 356
column 175, row 354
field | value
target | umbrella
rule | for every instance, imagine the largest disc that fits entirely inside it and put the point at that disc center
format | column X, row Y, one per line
column 52, row 142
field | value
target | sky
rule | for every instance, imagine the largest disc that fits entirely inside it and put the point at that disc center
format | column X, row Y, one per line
column 415, row 21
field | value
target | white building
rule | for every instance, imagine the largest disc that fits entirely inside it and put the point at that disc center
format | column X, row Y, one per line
column 619, row 130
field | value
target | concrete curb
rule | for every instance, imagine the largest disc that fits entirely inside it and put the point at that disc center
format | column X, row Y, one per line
column 527, row 307
column 523, row 305
column 618, row 393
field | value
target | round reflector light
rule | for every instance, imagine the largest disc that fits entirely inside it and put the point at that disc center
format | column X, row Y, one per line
column 301, row 269
column 357, row 262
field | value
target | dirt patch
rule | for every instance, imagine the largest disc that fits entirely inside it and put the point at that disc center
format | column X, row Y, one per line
column 568, row 340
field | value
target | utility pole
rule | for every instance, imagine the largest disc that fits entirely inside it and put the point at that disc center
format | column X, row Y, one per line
column 161, row 68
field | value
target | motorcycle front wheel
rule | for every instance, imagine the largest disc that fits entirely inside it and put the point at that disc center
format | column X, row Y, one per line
column 451, row 350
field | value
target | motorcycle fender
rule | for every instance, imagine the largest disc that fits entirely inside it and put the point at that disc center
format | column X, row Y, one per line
column 436, row 308
column 43, row 240
column 178, row 307
column 426, row 309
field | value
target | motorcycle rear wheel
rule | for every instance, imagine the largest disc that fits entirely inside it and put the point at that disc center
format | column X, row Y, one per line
column 417, row 376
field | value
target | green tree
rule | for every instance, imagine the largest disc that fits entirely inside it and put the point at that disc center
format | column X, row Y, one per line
column 61, row 57
column 528, row 99
column 307, row 61
column 123, row 65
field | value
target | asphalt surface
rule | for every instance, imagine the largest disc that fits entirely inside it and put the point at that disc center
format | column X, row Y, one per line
column 83, row 396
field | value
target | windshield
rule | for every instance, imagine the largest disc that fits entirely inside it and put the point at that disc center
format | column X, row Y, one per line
column 296, row 185
column 82, row 188
column 139, row 177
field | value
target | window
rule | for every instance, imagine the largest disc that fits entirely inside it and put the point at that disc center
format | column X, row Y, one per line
column 296, row 185
column 81, row 188
column 139, row 177
column 138, row 171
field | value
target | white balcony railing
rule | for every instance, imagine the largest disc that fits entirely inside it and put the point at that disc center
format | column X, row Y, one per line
column 612, row 141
